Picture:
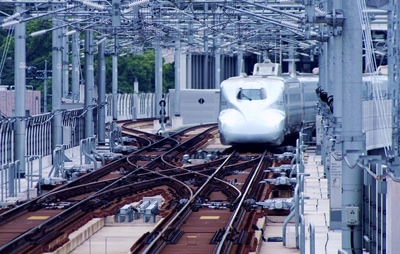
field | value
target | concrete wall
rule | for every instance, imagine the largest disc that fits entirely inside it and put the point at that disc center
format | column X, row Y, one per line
column 392, row 217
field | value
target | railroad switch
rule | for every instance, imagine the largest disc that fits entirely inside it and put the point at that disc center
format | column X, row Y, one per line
column 286, row 156
column 271, row 204
column 280, row 180
column 276, row 204
column 284, row 168
column 52, row 180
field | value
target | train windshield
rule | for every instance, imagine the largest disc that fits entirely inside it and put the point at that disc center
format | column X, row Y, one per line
column 252, row 94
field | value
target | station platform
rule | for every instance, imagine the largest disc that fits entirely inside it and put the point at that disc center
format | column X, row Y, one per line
column 316, row 211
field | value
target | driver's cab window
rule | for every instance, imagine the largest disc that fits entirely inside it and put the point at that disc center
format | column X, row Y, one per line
column 252, row 94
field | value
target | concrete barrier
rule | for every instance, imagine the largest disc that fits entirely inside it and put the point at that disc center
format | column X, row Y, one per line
column 79, row 236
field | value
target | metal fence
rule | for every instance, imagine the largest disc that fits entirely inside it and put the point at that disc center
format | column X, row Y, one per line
column 38, row 128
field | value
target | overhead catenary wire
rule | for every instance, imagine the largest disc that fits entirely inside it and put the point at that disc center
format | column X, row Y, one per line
column 372, row 69
column 339, row 157
column 5, row 52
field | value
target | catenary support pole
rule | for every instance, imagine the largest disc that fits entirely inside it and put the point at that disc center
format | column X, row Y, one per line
column 56, row 84
column 20, row 92
column 336, row 78
column 205, row 76
column 217, row 69
column 352, row 137
column 65, row 62
column 45, row 87
column 75, row 81
column 158, row 77
column 393, row 188
column 177, row 60
column 101, row 86
column 89, row 83
column 238, row 63
column 116, row 23
column 115, row 80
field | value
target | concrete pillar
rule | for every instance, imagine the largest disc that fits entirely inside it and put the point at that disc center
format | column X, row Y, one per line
column 323, row 81
column 336, row 88
column 328, row 87
column 393, row 187
column 352, row 137
column 392, row 215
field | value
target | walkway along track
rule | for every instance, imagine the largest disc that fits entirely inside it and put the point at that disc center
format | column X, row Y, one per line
column 216, row 191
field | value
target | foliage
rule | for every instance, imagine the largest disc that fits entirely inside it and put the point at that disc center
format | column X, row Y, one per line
column 140, row 67
column 7, row 77
column 39, row 49
column 168, row 76
column 130, row 67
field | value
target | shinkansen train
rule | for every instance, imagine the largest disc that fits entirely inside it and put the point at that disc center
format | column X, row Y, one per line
column 266, row 107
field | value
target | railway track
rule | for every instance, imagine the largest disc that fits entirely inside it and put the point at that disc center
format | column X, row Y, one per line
column 210, row 205
column 214, row 219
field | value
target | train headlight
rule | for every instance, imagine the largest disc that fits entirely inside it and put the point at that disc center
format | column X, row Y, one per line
column 229, row 117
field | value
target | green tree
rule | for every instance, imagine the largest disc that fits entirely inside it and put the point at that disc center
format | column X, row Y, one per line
column 39, row 49
column 7, row 75
column 142, row 68
column 168, row 76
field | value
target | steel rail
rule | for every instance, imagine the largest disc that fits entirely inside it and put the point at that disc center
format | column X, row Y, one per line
column 239, row 205
column 185, row 207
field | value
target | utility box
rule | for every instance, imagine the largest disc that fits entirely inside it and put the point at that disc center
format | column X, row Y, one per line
column 151, row 212
column 125, row 214
column 352, row 215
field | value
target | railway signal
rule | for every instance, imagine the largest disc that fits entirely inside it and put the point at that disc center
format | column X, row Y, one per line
column 162, row 120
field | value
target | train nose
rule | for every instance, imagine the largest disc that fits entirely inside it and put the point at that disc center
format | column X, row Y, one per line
column 267, row 127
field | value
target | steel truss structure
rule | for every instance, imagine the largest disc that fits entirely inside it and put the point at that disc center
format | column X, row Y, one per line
column 272, row 28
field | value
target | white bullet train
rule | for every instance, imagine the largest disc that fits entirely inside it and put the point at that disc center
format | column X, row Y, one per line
column 265, row 107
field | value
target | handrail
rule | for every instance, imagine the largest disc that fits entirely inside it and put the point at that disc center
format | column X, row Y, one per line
column 312, row 238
